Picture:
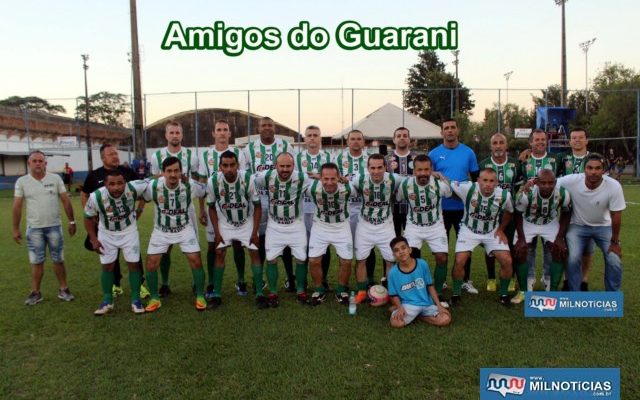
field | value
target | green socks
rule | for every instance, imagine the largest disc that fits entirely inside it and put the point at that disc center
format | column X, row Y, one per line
column 218, row 274
column 106, row 282
column 272, row 277
column 556, row 274
column 211, row 264
column 165, row 264
column 361, row 286
column 440, row 276
column 504, row 286
column 152, row 282
column 339, row 289
column 457, row 287
column 257, row 279
column 135, row 280
column 301, row 276
column 198, row 280
column 522, row 270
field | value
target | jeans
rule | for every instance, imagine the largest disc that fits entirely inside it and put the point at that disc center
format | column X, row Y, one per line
column 38, row 239
column 579, row 236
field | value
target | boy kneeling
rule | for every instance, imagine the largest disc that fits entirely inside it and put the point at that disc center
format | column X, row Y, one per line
column 411, row 290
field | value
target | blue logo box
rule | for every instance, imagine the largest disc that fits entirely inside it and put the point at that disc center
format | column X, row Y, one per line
column 574, row 304
column 549, row 383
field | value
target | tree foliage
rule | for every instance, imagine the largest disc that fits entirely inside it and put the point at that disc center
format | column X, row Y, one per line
column 33, row 103
column 426, row 98
column 105, row 108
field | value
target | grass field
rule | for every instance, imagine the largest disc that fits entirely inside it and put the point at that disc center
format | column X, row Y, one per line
column 60, row 350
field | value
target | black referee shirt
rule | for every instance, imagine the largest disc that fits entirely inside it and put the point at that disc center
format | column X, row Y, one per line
column 95, row 178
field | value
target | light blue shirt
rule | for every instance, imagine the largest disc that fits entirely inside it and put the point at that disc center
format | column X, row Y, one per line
column 412, row 286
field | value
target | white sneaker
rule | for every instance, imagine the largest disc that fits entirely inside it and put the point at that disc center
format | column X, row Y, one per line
column 530, row 283
column 518, row 298
column 444, row 285
column 103, row 309
column 137, row 307
column 468, row 286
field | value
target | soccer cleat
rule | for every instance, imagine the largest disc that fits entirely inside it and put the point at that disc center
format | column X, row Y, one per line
column 273, row 300
column 201, row 303
column 505, row 301
column 565, row 286
column 214, row 303
column 512, row 285
column 444, row 285
column 261, row 303
column 584, row 286
column 65, row 294
column 164, row 291
column 383, row 282
column 343, row 298
column 326, row 286
column 117, row 291
column 491, row 285
column 137, row 307
column 317, row 298
column 456, row 301
column 290, row 285
column 33, row 299
column 468, row 286
column 153, row 305
column 518, row 298
column 302, row 298
column 241, row 288
column 361, row 296
column 208, row 294
column 103, row 309
column 443, row 302
column 144, row 292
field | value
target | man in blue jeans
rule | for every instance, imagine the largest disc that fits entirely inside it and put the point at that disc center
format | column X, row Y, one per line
column 597, row 202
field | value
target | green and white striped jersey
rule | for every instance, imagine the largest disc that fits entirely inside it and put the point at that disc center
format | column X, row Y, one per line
column 171, row 213
column 285, row 197
column 533, row 165
column 260, row 157
column 482, row 214
column 572, row 164
column 351, row 168
column 537, row 210
column 425, row 202
column 331, row 208
column 377, row 197
column 187, row 158
column 306, row 162
column 115, row 214
column 509, row 172
column 233, row 200
column 210, row 161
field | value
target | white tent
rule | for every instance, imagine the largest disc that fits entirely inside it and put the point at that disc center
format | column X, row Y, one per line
column 381, row 123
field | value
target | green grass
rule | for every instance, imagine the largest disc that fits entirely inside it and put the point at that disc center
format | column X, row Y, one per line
column 60, row 350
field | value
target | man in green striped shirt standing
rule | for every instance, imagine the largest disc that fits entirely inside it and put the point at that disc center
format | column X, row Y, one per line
column 375, row 225
column 234, row 211
column 542, row 210
column 285, row 227
column 207, row 167
column 115, row 204
column 173, row 224
column 423, row 193
column 330, row 227
column 487, row 212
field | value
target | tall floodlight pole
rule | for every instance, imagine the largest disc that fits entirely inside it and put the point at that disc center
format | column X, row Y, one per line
column 585, row 47
column 563, row 63
column 85, row 57
column 506, row 77
column 137, row 91
column 455, row 62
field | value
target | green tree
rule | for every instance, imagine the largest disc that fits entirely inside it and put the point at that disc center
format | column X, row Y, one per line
column 105, row 108
column 432, row 90
column 33, row 103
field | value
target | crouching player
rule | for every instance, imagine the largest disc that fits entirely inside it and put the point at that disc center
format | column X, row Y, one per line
column 542, row 211
column 173, row 225
column 114, row 204
column 330, row 227
column 487, row 212
column 235, row 212
column 411, row 290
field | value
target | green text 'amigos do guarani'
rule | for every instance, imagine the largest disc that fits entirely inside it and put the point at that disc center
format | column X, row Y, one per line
column 349, row 35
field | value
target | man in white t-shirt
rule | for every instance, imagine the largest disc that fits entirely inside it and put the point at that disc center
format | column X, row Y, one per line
column 597, row 202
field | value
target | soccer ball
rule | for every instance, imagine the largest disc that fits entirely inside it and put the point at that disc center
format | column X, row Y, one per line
column 378, row 295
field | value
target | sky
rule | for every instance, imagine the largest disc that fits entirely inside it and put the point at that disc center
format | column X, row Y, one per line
column 42, row 43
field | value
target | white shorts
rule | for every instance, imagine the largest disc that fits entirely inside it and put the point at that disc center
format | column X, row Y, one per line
column 369, row 236
column 354, row 217
column 547, row 232
column 412, row 312
column 279, row 236
column 434, row 235
column 160, row 241
column 195, row 221
column 230, row 233
column 338, row 235
column 468, row 240
column 264, row 203
column 128, row 241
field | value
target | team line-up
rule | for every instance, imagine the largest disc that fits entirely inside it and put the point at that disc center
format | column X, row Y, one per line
column 278, row 203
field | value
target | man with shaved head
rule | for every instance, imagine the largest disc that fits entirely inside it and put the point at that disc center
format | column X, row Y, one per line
column 542, row 209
